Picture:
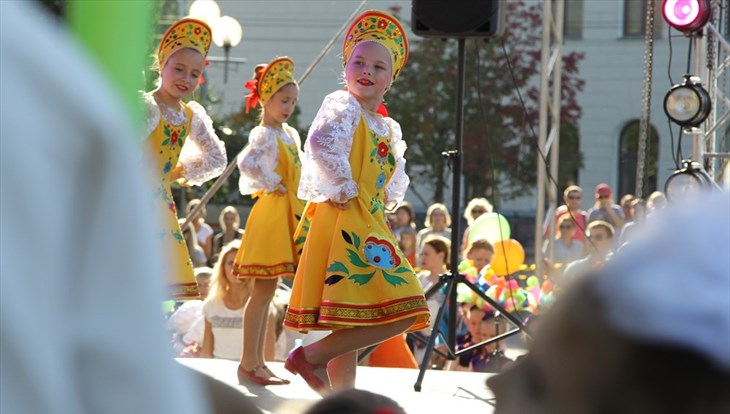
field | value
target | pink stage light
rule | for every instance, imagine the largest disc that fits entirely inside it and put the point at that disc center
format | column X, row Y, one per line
column 686, row 15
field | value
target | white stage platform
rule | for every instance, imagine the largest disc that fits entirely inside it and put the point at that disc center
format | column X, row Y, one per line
column 442, row 391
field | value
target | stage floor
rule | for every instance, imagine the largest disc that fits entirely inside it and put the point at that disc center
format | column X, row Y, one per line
column 463, row 392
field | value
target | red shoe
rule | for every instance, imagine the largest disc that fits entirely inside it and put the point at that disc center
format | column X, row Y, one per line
column 298, row 364
column 250, row 376
column 272, row 375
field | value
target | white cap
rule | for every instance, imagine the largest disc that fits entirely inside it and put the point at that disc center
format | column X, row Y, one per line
column 671, row 284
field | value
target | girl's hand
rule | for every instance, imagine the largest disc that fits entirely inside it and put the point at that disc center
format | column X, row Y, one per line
column 177, row 173
column 279, row 190
column 341, row 206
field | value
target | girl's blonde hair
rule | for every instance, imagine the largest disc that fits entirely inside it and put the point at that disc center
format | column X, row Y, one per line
column 219, row 284
column 437, row 207
column 222, row 216
column 474, row 203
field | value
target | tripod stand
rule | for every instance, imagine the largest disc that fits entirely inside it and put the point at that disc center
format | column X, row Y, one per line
column 452, row 279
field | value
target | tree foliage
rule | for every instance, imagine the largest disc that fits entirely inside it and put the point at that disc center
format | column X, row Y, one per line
column 498, row 139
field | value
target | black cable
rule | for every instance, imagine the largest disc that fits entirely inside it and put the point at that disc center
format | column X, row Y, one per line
column 537, row 146
column 491, row 171
column 689, row 55
column 669, row 65
column 680, row 155
column 671, row 143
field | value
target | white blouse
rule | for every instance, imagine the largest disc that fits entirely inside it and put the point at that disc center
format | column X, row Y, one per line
column 260, row 158
column 203, row 155
column 326, row 172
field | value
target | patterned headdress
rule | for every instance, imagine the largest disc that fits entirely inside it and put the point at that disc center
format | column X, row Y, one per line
column 381, row 27
column 188, row 32
column 276, row 74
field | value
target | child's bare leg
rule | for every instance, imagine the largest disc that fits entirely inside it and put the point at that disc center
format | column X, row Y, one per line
column 254, row 323
column 341, row 371
column 344, row 341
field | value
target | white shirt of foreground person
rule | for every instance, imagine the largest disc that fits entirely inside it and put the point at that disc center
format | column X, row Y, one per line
column 80, row 320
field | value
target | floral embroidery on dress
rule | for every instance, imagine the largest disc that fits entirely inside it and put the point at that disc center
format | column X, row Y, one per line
column 376, row 252
column 294, row 152
column 173, row 135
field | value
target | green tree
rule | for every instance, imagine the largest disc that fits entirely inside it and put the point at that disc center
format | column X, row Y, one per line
column 498, row 142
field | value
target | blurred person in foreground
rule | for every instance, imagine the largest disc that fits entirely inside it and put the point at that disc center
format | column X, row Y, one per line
column 70, row 296
column 648, row 333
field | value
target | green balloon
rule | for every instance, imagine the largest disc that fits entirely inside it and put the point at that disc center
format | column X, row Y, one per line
column 117, row 33
column 492, row 226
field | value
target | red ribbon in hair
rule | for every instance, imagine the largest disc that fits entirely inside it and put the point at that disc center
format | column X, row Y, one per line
column 252, row 99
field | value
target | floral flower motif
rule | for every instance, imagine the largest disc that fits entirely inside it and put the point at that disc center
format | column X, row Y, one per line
column 197, row 30
column 380, row 253
column 382, row 24
column 168, row 167
column 174, row 137
column 382, row 150
column 172, row 208
column 380, row 181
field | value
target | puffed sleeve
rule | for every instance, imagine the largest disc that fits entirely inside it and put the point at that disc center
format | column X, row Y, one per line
column 258, row 161
column 396, row 188
column 203, row 155
column 326, row 172
column 151, row 115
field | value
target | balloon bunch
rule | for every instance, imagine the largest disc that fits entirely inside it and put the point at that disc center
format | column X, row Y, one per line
column 509, row 255
column 507, row 293
column 466, row 268
column 545, row 293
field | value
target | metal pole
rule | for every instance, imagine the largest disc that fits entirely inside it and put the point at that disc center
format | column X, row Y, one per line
column 226, row 53
column 544, row 71
column 698, row 133
column 455, row 202
column 555, row 124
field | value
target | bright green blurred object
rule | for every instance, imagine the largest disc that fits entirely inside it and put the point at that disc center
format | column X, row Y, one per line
column 118, row 33
column 168, row 306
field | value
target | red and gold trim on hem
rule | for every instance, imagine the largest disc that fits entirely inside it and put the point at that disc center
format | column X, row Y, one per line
column 286, row 269
column 332, row 315
column 183, row 291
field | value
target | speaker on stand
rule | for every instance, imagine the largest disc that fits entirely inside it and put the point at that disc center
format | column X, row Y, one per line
column 458, row 19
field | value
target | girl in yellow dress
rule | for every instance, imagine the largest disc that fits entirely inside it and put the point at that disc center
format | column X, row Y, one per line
column 181, row 143
column 352, row 277
column 270, row 169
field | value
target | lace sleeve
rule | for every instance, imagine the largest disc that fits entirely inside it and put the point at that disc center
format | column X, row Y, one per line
column 151, row 115
column 398, row 184
column 258, row 161
column 326, row 172
column 203, row 155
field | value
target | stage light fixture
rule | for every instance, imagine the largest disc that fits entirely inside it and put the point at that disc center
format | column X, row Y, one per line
column 686, row 15
column 688, row 104
column 688, row 181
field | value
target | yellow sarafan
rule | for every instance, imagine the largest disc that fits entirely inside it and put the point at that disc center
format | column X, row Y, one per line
column 267, row 248
column 352, row 272
column 164, row 145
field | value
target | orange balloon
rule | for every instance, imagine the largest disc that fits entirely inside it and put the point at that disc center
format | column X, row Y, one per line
column 508, row 257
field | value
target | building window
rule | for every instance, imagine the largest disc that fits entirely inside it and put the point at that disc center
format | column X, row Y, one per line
column 573, row 18
column 635, row 18
column 628, row 148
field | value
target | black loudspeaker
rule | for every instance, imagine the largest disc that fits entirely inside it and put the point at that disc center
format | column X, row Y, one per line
column 457, row 18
